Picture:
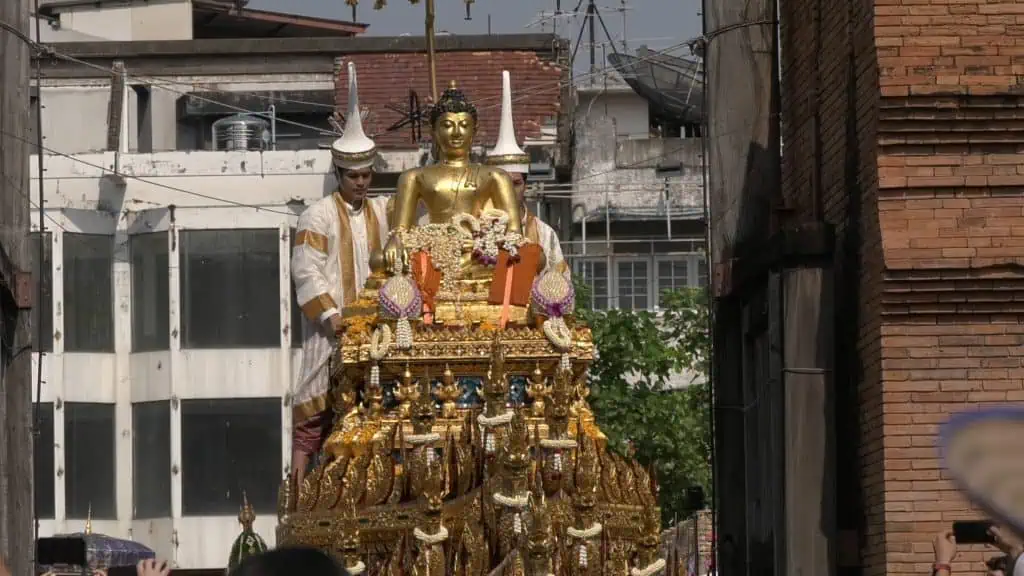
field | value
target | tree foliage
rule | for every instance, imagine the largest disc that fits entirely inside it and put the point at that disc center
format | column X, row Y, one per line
column 638, row 352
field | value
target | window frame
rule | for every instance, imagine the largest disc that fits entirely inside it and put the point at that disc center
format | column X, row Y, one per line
column 632, row 259
column 165, row 507
column 273, row 338
column 161, row 342
column 579, row 265
column 194, row 505
column 97, row 511
column 71, row 343
column 694, row 262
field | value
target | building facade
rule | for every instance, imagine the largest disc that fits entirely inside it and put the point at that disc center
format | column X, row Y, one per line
column 900, row 149
column 167, row 331
column 637, row 199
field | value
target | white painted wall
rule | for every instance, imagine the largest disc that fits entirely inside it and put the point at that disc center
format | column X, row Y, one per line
column 75, row 110
column 133, row 21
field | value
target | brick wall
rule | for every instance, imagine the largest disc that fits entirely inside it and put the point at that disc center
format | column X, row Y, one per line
column 385, row 79
column 908, row 117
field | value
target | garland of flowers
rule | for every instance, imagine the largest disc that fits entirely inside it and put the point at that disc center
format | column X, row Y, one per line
column 421, row 439
column 492, row 236
column 430, row 539
column 584, row 535
column 444, row 244
column 380, row 344
column 356, row 569
column 650, row 570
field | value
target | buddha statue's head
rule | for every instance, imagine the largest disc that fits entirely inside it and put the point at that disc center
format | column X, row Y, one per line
column 453, row 125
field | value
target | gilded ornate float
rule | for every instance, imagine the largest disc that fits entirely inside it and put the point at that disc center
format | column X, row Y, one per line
column 414, row 478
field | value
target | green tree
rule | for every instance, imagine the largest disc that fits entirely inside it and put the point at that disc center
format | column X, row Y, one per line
column 637, row 354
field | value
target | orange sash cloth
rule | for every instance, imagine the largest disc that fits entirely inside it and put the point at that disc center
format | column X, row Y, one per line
column 513, row 281
column 428, row 279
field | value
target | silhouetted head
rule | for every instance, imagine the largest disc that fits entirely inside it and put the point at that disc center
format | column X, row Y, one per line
column 289, row 562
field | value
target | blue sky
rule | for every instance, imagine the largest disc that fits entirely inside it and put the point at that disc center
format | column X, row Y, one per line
column 656, row 23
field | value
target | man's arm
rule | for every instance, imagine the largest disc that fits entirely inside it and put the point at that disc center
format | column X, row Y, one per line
column 309, row 259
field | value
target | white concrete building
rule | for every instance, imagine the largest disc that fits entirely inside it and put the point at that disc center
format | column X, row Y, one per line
column 172, row 344
column 637, row 200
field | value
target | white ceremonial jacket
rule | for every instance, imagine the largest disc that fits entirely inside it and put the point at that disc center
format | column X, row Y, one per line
column 330, row 264
column 537, row 230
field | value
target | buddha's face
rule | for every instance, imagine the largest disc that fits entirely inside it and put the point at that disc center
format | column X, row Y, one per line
column 454, row 132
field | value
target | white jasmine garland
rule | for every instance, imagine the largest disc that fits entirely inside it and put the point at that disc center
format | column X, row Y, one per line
column 558, row 443
column 557, row 332
column 650, row 569
column 511, row 501
column 420, row 439
column 592, row 532
column 380, row 343
column 492, row 422
column 356, row 569
column 436, row 538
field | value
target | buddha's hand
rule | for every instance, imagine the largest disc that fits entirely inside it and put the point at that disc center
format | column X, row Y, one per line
column 396, row 261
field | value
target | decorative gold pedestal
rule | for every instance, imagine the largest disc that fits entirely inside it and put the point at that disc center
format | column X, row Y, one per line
column 521, row 493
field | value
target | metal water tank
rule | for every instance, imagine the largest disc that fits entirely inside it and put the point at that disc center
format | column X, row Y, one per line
column 241, row 132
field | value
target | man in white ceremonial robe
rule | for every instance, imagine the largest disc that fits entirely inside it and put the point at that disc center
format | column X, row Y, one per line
column 330, row 264
column 508, row 156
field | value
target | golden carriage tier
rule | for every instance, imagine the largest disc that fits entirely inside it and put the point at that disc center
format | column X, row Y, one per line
column 431, row 485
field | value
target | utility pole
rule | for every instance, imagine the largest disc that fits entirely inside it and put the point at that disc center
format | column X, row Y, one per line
column 16, row 473
column 591, row 13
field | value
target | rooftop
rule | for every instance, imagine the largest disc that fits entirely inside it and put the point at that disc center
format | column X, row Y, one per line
column 223, row 19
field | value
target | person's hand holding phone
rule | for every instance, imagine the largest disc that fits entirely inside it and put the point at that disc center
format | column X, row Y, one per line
column 945, row 548
column 152, row 567
column 1008, row 542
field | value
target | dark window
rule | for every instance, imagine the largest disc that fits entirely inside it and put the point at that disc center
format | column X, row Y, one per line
column 632, row 285
column 297, row 316
column 151, row 455
column 88, row 293
column 150, row 292
column 672, row 275
column 595, row 274
column 230, row 290
column 230, row 446
column 89, row 460
column 42, row 314
column 42, row 455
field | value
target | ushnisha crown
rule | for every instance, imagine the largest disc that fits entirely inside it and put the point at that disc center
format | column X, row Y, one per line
column 354, row 150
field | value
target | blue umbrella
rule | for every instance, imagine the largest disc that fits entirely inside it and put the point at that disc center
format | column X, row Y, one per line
column 102, row 552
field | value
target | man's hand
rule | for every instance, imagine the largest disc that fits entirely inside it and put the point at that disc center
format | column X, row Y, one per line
column 300, row 462
column 336, row 325
column 396, row 261
column 1008, row 542
column 152, row 567
column 945, row 547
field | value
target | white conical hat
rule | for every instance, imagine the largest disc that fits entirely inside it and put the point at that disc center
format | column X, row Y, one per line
column 354, row 150
column 507, row 154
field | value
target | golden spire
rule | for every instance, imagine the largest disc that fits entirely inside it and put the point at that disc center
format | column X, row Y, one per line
column 452, row 86
column 246, row 515
column 88, row 520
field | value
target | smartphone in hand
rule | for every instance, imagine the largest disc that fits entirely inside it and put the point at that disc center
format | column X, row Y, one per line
column 973, row 532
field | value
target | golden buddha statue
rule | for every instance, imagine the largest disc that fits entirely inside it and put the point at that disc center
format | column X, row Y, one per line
column 468, row 256
column 454, row 186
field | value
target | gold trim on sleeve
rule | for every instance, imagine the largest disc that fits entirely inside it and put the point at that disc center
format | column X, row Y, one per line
column 312, row 239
